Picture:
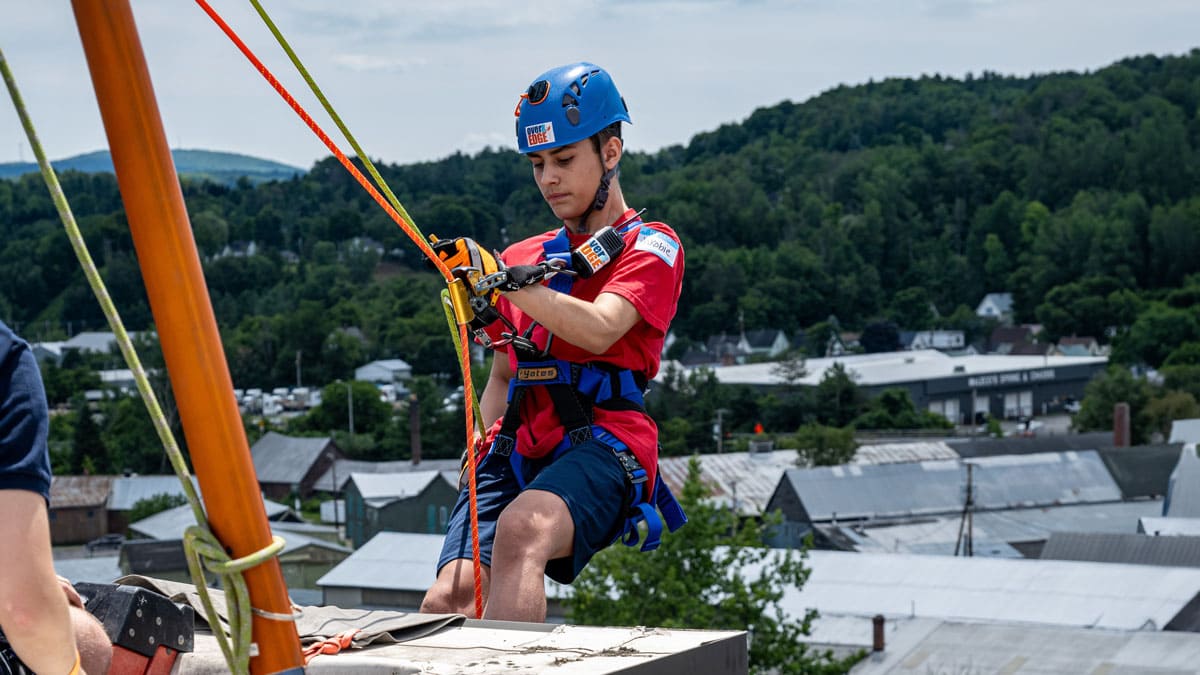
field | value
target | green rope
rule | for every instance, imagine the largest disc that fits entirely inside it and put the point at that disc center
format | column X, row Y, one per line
column 379, row 181
column 198, row 540
column 383, row 186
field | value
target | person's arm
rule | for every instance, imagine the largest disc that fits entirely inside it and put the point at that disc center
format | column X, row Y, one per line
column 494, row 399
column 593, row 326
column 33, row 608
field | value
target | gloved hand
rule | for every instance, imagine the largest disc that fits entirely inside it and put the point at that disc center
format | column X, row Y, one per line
column 464, row 252
column 516, row 277
column 470, row 262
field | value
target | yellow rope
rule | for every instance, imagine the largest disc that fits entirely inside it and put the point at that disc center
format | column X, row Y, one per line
column 199, row 541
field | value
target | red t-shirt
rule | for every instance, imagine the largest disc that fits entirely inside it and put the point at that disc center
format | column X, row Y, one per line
column 649, row 274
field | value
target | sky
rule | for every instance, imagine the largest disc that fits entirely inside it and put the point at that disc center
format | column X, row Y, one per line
column 419, row 80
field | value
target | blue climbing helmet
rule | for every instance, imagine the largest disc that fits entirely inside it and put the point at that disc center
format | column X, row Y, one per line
column 567, row 104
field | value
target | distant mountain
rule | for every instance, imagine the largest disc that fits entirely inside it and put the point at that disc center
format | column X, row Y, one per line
column 220, row 167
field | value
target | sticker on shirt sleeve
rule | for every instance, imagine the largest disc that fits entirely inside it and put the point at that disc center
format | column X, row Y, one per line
column 658, row 243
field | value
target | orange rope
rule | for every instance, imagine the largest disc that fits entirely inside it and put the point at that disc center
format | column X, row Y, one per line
column 407, row 227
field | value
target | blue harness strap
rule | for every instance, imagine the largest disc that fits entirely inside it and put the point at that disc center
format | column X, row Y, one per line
column 575, row 388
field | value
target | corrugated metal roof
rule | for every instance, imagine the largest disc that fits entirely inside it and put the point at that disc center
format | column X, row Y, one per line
column 392, row 486
column 948, row 647
column 1160, row 526
column 286, row 459
column 937, row 487
column 102, row 569
column 1135, row 549
column 892, row 453
column 1054, row 592
column 896, row 367
column 1183, row 491
column 344, row 467
column 994, row 532
column 401, row 561
column 747, row 479
column 67, row 492
column 129, row 490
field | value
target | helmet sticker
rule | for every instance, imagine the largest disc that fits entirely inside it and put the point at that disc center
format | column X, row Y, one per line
column 539, row 134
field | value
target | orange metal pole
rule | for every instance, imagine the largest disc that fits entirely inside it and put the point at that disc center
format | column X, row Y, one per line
column 183, row 315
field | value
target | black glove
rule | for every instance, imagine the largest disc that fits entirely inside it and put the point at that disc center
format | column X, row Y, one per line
column 519, row 276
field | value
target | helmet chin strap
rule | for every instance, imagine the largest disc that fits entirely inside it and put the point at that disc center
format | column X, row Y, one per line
column 600, row 199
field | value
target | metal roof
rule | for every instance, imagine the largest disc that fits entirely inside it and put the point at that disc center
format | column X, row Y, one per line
column 344, row 467
column 1135, row 549
column 389, row 487
column 1185, row 431
column 171, row 523
column 1141, row 470
column 1161, row 526
column 742, row 478
column 897, row 367
column 950, row 647
column 100, row 569
column 1054, row 592
column 129, row 490
column 892, row 453
column 67, row 492
column 1016, row 445
column 994, row 532
column 1183, row 490
column 400, row 561
column 286, row 459
column 938, row 487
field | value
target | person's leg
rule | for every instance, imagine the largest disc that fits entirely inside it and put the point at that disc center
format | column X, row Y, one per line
column 453, row 592
column 571, row 510
column 534, row 529
column 95, row 649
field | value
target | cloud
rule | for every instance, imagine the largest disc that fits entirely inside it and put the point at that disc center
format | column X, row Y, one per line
column 366, row 63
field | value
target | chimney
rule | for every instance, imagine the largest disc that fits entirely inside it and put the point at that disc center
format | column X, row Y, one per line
column 877, row 635
column 1121, row 437
column 414, row 428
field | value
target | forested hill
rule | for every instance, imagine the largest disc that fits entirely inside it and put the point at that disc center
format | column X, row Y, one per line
column 219, row 167
column 906, row 199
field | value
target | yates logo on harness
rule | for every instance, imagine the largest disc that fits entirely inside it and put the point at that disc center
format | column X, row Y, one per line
column 539, row 134
column 537, row 374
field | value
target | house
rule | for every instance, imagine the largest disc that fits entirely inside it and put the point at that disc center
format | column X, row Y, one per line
column 98, row 342
column 47, row 352
column 725, row 349
column 334, row 480
column 290, row 464
column 394, row 569
column 1014, row 340
column 417, row 501
column 1134, row 549
column 873, row 493
column 740, row 481
column 126, row 491
column 1077, row 346
column 769, row 342
column 78, row 508
column 386, row 371
column 997, row 306
column 932, row 339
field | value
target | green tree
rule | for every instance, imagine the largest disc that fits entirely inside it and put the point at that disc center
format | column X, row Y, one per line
column 1163, row 410
column 820, row 445
column 88, row 453
column 1113, row 386
column 714, row 573
column 148, row 506
column 837, row 399
column 894, row 409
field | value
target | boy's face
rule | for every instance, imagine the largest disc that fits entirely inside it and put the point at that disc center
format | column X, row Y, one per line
column 568, row 177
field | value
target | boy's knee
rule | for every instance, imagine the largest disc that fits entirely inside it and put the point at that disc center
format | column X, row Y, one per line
column 95, row 649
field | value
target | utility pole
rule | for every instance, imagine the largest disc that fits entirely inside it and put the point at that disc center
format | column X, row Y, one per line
column 719, row 429
column 968, row 517
column 350, row 403
column 298, row 369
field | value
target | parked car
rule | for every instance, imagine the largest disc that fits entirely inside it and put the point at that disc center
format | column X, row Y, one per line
column 109, row 541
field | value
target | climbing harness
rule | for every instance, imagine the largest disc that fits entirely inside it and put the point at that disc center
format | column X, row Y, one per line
column 574, row 390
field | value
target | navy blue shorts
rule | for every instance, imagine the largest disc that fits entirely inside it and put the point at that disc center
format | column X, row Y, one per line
column 588, row 477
